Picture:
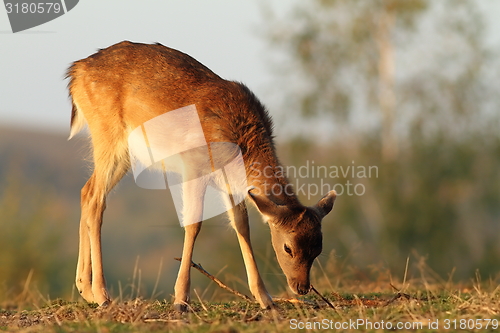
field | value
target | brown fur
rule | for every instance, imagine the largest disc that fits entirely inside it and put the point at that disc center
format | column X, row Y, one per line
column 121, row 87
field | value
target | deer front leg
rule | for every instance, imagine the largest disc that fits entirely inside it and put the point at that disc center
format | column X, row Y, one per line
column 192, row 196
column 239, row 221
column 183, row 282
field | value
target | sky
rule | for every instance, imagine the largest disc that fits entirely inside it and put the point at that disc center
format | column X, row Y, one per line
column 222, row 34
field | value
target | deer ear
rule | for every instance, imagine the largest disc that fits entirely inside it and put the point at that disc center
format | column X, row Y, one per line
column 265, row 205
column 325, row 205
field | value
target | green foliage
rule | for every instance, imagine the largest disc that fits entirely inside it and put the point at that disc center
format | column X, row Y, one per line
column 437, row 199
column 32, row 247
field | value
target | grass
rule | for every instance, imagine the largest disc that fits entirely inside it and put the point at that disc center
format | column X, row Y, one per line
column 422, row 310
column 421, row 305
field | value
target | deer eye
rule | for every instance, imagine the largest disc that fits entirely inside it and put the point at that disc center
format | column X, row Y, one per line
column 288, row 250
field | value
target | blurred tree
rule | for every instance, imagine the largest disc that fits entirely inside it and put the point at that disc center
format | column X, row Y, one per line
column 413, row 89
column 352, row 58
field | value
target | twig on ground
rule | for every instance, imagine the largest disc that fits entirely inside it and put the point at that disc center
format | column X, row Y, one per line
column 322, row 297
column 292, row 300
column 216, row 280
column 245, row 297
column 398, row 295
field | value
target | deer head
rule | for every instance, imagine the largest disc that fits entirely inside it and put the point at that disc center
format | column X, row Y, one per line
column 296, row 236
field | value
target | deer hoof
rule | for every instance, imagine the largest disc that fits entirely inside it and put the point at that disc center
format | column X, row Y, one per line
column 105, row 304
column 267, row 306
column 181, row 308
column 265, row 301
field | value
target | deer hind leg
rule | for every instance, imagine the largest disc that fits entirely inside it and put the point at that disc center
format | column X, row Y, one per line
column 239, row 221
column 110, row 166
column 193, row 195
column 84, row 266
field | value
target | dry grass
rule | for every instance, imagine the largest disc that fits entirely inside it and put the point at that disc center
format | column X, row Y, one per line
column 425, row 303
column 459, row 308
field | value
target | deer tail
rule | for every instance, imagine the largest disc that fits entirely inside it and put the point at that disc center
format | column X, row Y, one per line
column 77, row 121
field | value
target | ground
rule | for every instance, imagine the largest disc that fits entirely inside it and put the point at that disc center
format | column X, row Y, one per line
column 423, row 309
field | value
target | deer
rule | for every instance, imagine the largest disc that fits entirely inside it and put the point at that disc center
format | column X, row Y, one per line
column 121, row 87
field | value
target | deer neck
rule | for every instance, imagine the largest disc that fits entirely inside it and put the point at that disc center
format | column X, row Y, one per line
column 267, row 176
